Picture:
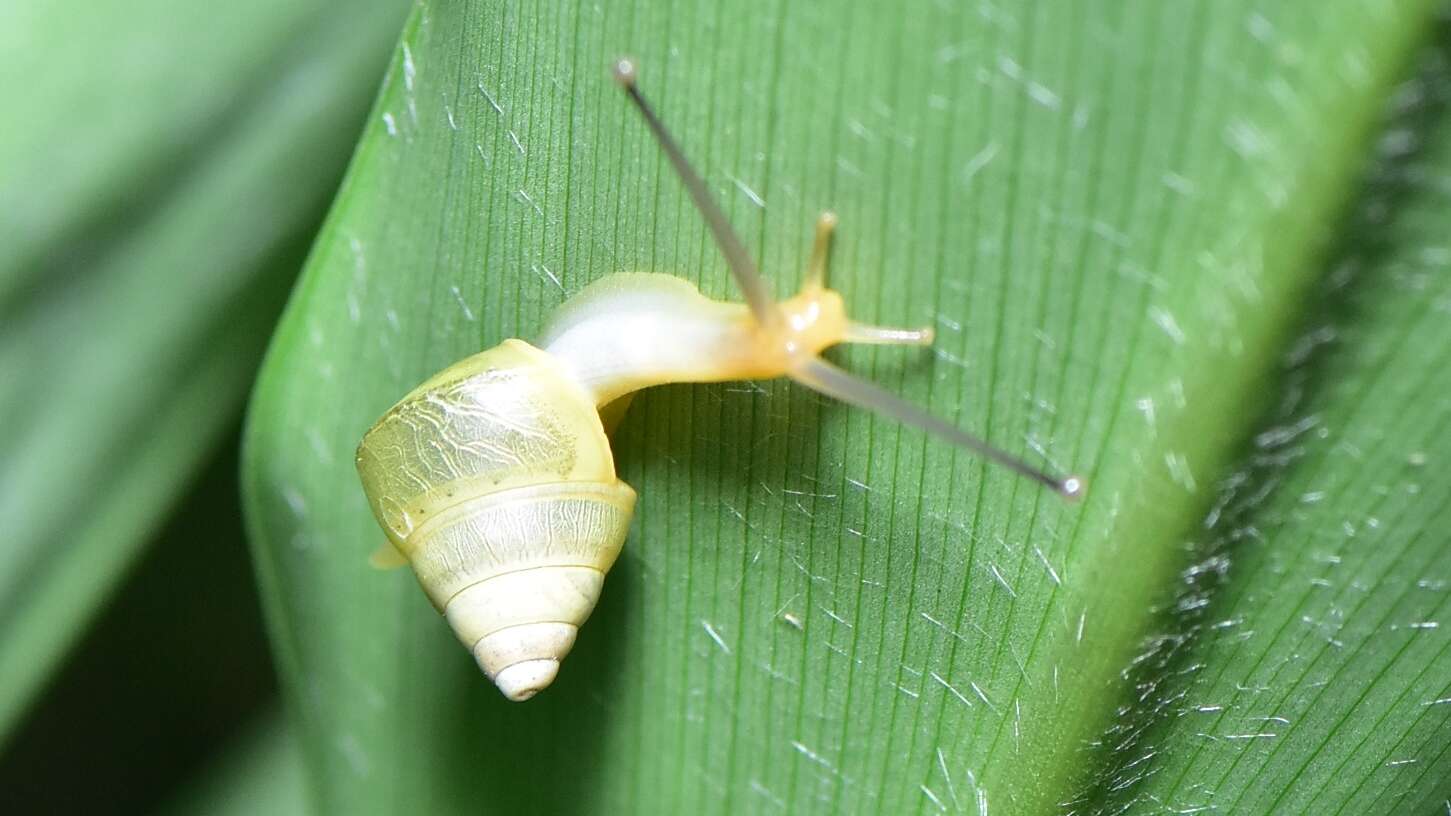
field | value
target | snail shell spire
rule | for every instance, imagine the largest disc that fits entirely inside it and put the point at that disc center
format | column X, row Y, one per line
column 495, row 480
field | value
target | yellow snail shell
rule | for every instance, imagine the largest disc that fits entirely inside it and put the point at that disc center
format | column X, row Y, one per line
column 495, row 480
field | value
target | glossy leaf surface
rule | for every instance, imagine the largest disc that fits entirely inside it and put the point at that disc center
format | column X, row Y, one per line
column 1115, row 214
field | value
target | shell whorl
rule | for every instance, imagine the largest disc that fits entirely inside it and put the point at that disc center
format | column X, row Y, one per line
column 517, row 572
column 495, row 479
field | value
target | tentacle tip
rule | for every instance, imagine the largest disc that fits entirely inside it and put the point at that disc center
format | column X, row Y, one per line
column 624, row 71
column 828, row 219
column 1072, row 488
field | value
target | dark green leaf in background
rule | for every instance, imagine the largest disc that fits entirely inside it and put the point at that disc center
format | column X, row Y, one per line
column 1114, row 213
column 161, row 169
column 260, row 772
column 114, row 106
column 163, row 676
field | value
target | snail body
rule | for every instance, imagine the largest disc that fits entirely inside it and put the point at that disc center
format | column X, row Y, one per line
column 494, row 478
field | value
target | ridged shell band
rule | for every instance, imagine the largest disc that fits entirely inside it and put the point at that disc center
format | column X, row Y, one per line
column 540, row 595
column 526, row 528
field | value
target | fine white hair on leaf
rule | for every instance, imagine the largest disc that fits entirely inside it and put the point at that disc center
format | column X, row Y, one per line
column 715, row 636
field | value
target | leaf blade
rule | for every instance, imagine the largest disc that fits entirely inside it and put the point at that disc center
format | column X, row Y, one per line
column 120, row 376
column 928, row 586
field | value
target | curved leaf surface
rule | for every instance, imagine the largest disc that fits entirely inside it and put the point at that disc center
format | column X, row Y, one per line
column 131, row 324
column 1112, row 212
column 1305, row 668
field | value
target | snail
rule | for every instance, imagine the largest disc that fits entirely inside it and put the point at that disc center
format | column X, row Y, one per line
column 494, row 478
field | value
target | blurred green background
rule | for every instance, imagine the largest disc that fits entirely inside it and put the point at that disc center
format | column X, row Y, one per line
column 163, row 170
column 1199, row 251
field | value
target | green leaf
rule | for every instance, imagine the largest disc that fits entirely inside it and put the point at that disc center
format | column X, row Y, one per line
column 1112, row 212
column 161, row 676
column 260, row 771
column 1307, row 667
column 133, row 313
column 114, row 105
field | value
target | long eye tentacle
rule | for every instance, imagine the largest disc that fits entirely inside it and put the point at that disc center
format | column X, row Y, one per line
column 753, row 287
column 811, row 371
column 821, row 376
